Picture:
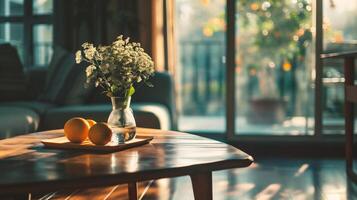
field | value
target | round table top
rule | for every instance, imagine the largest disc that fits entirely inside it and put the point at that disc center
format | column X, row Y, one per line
column 26, row 166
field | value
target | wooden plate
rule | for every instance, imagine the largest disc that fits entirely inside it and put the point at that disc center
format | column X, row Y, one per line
column 64, row 143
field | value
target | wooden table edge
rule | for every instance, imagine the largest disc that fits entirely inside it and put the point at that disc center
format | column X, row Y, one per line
column 196, row 170
column 114, row 179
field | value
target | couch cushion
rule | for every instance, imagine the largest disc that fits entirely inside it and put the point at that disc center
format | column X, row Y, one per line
column 38, row 107
column 162, row 93
column 146, row 115
column 35, row 81
column 53, row 92
column 74, row 90
column 16, row 121
column 12, row 77
column 150, row 115
column 54, row 73
column 65, row 80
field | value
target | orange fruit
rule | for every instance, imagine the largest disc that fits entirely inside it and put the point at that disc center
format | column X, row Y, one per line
column 76, row 129
column 100, row 134
column 91, row 122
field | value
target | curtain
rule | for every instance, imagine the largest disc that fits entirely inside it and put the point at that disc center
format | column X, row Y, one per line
column 101, row 21
column 96, row 21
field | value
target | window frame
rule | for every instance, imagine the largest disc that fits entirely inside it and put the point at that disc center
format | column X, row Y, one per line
column 230, row 133
column 29, row 20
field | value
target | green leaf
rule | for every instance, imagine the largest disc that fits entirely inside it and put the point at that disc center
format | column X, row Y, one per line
column 149, row 84
column 114, row 89
column 131, row 91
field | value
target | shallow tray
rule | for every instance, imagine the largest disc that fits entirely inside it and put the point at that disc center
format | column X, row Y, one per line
column 64, row 143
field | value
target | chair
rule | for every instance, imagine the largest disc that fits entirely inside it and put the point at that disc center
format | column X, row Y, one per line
column 350, row 100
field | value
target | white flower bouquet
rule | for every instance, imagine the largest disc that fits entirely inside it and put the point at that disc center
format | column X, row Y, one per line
column 116, row 67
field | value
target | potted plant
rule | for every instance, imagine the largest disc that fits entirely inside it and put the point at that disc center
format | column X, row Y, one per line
column 265, row 106
column 116, row 68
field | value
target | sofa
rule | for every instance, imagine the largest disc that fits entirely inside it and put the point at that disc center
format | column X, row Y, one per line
column 45, row 98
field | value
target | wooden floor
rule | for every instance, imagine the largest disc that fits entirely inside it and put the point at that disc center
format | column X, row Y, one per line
column 269, row 178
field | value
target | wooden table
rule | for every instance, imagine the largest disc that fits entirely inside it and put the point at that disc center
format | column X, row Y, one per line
column 27, row 167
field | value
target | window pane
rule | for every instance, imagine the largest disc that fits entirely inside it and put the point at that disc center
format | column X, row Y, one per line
column 13, row 33
column 200, row 68
column 11, row 7
column 340, row 34
column 43, row 41
column 340, row 25
column 274, row 67
column 42, row 6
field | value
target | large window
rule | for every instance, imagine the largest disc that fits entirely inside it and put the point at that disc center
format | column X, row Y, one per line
column 33, row 17
column 276, row 70
column 273, row 66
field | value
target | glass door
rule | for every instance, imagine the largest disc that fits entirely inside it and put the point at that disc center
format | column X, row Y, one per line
column 200, row 67
column 274, row 81
column 274, row 67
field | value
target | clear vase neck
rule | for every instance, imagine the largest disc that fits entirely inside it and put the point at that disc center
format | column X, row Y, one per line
column 120, row 102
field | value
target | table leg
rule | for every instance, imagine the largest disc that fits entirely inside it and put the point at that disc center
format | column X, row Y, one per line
column 202, row 185
column 133, row 191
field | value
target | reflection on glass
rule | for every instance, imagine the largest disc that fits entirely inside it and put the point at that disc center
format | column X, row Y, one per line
column 340, row 25
column 274, row 65
column 13, row 33
column 42, row 6
column 200, row 39
column 11, row 7
column 340, row 34
column 43, row 39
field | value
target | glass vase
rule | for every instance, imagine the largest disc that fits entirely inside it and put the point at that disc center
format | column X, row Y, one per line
column 121, row 120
